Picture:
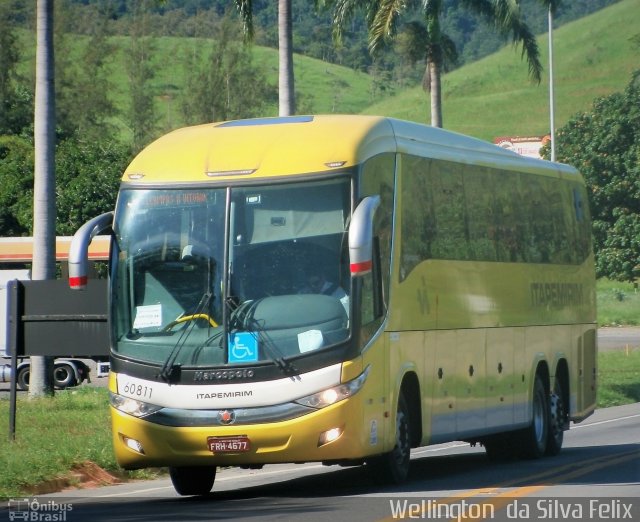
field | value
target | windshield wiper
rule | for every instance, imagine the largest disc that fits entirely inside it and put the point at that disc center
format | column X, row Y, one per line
column 170, row 369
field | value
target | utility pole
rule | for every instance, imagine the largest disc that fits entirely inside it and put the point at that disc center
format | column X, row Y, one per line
column 552, row 109
column 44, row 185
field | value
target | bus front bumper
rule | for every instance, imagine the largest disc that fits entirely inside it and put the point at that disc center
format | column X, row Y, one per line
column 334, row 433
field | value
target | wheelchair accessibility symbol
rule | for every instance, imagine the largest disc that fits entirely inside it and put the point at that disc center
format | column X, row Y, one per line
column 243, row 347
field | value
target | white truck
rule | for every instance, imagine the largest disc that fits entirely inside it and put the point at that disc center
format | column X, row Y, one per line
column 68, row 372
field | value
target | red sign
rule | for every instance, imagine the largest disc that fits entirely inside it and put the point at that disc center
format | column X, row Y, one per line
column 524, row 145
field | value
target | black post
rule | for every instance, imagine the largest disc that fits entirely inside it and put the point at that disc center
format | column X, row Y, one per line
column 13, row 308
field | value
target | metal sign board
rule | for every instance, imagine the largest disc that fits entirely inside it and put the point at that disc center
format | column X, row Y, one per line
column 48, row 318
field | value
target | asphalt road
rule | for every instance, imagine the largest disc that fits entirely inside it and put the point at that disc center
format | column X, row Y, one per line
column 618, row 338
column 595, row 477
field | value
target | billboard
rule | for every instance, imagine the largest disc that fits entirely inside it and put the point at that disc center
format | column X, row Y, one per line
column 524, row 145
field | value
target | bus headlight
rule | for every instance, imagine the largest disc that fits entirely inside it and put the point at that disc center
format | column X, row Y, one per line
column 330, row 396
column 132, row 406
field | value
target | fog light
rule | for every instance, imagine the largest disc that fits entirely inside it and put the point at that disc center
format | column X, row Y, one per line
column 329, row 436
column 133, row 444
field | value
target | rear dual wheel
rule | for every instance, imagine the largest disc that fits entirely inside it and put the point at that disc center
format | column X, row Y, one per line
column 557, row 421
column 545, row 434
column 534, row 438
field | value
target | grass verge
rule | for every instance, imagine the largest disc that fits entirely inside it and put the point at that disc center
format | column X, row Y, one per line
column 618, row 303
column 54, row 436
column 618, row 377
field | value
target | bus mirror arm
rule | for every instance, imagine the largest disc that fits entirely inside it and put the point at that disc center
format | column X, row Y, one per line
column 79, row 249
column 361, row 236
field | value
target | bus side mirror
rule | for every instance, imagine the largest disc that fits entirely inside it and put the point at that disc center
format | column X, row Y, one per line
column 79, row 249
column 361, row 236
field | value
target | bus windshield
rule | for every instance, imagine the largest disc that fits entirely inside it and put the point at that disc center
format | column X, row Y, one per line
column 204, row 277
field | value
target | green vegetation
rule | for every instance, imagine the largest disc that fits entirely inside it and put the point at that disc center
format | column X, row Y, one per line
column 618, row 377
column 618, row 303
column 604, row 145
column 593, row 57
column 53, row 436
column 322, row 88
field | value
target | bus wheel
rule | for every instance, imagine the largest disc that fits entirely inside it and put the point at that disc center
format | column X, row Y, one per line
column 556, row 421
column 193, row 480
column 394, row 466
column 534, row 438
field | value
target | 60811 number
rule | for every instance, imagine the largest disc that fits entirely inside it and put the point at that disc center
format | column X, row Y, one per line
column 137, row 390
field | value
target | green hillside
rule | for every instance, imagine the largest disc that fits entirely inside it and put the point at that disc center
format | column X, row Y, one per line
column 593, row 56
column 321, row 87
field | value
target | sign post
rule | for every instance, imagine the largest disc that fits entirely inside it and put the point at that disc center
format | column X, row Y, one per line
column 47, row 318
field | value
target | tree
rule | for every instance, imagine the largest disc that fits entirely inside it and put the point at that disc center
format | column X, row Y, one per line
column 44, row 203
column 16, row 180
column 286, row 82
column 226, row 84
column 382, row 18
column 141, row 117
column 15, row 102
column 89, row 173
column 83, row 84
column 604, row 145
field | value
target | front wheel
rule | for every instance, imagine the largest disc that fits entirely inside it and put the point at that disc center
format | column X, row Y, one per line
column 193, row 480
column 393, row 467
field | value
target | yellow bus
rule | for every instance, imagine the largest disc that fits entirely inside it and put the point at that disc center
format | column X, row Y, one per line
column 341, row 289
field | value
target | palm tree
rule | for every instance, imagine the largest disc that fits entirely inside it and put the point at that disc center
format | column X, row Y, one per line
column 44, row 204
column 286, row 83
column 382, row 18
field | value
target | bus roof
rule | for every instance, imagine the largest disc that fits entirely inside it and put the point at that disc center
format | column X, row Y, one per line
column 20, row 249
column 244, row 150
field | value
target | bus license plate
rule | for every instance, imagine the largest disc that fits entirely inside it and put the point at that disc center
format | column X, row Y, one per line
column 235, row 444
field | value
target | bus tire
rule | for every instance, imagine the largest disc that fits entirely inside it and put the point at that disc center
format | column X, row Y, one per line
column 393, row 467
column 557, row 414
column 193, row 480
column 22, row 377
column 535, row 437
column 64, row 376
